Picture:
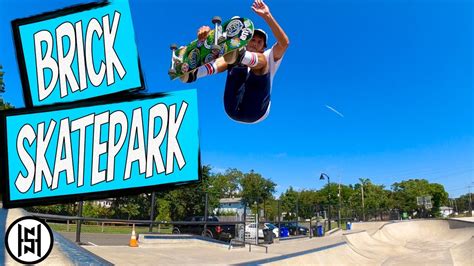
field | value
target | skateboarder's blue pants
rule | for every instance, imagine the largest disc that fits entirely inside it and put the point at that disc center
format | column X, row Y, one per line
column 246, row 95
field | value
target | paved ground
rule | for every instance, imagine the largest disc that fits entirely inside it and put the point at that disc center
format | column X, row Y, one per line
column 196, row 252
column 413, row 242
column 99, row 239
column 407, row 243
column 64, row 252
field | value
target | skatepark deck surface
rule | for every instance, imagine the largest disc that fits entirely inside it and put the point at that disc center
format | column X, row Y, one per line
column 427, row 242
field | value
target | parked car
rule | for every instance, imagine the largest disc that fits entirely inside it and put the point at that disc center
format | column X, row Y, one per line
column 266, row 226
column 295, row 229
column 272, row 228
column 223, row 232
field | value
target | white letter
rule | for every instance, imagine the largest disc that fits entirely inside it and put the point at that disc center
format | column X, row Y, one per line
column 64, row 140
column 42, row 166
column 46, row 62
column 98, row 148
column 111, row 57
column 81, row 124
column 96, row 79
column 154, row 143
column 64, row 62
column 174, row 150
column 23, row 183
column 116, row 118
column 138, row 154
column 80, row 56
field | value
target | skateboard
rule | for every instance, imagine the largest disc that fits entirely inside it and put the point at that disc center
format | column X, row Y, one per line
column 223, row 39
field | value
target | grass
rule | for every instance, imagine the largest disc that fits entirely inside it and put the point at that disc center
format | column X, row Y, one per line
column 107, row 229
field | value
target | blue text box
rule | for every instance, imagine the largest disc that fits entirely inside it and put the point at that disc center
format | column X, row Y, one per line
column 100, row 150
column 77, row 53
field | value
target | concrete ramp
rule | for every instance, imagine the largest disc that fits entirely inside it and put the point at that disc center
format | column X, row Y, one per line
column 432, row 242
column 339, row 255
column 424, row 231
column 369, row 247
column 463, row 254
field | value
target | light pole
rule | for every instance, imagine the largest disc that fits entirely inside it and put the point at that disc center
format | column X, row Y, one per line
column 329, row 196
column 470, row 202
column 363, row 206
column 339, row 209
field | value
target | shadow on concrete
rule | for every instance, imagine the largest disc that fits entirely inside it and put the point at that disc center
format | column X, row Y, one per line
column 296, row 254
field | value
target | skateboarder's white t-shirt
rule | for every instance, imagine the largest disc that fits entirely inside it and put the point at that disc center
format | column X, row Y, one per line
column 272, row 69
column 272, row 64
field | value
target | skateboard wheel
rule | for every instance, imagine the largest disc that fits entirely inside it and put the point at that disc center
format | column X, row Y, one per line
column 221, row 39
column 215, row 47
column 174, row 46
column 217, row 20
column 172, row 72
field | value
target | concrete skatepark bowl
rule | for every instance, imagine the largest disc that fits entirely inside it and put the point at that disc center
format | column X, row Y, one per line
column 426, row 242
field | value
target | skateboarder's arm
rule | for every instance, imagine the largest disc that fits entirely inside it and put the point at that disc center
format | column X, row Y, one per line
column 283, row 42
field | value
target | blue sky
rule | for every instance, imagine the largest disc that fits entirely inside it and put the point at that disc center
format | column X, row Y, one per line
column 400, row 72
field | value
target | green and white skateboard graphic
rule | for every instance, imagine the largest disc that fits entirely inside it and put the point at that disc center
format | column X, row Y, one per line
column 223, row 39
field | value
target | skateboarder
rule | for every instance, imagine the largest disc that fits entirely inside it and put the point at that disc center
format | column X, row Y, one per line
column 250, row 70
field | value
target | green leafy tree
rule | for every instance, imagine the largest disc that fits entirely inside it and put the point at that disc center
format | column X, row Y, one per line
column 58, row 209
column 3, row 105
column 189, row 200
column 439, row 198
column 405, row 194
column 461, row 203
column 91, row 209
column 164, row 210
column 289, row 200
column 256, row 188
column 2, row 83
column 307, row 203
column 226, row 185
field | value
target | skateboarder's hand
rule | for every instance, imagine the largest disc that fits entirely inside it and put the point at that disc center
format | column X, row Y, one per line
column 203, row 32
column 260, row 8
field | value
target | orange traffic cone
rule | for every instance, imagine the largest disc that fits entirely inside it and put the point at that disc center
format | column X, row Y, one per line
column 133, row 239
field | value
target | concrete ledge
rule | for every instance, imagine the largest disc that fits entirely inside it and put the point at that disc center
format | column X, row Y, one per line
column 165, row 239
column 77, row 254
column 458, row 223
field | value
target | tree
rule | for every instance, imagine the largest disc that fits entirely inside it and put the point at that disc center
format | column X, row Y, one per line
column 226, row 185
column 189, row 200
column 307, row 203
column 439, row 198
column 3, row 105
column 289, row 200
column 462, row 203
column 96, row 210
column 405, row 194
column 256, row 188
column 2, row 83
column 164, row 210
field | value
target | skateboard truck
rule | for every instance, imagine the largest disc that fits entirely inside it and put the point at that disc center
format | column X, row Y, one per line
column 172, row 70
column 217, row 22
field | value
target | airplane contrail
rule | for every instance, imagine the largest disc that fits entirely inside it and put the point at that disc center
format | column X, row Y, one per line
column 334, row 110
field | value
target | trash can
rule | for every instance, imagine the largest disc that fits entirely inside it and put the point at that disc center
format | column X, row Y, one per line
column 405, row 216
column 284, row 232
column 348, row 226
column 320, row 231
column 267, row 236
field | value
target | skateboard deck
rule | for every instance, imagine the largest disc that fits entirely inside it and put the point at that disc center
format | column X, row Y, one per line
column 231, row 35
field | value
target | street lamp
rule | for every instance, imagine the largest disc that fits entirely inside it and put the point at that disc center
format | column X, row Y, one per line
column 329, row 195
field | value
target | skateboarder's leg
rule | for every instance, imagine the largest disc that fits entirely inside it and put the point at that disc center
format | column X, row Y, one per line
column 247, row 95
column 234, row 90
column 254, row 60
column 208, row 69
